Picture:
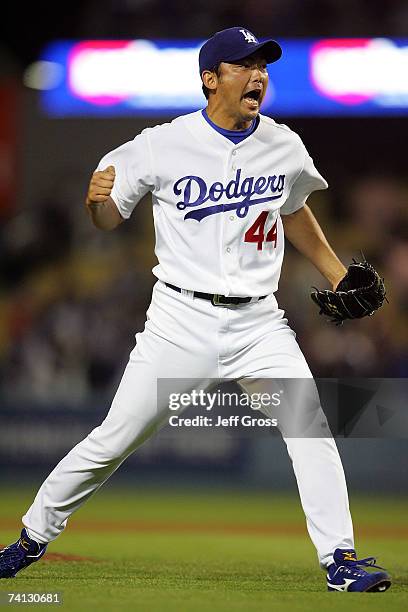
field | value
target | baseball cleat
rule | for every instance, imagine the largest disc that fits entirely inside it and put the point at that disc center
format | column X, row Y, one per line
column 19, row 555
column 347, row 573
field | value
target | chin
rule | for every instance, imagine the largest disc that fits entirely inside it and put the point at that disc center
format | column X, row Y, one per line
column 249, row 114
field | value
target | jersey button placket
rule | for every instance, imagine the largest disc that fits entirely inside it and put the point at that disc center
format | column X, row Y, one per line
column 234, row 157
column 230, row 229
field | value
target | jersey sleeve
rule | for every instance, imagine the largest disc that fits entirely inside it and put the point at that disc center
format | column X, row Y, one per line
column 133, row 174
column 309, row 180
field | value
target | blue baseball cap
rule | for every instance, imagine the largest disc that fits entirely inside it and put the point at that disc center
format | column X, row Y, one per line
column 234, row 44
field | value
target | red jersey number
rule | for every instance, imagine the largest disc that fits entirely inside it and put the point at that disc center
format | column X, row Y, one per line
column 256, row 233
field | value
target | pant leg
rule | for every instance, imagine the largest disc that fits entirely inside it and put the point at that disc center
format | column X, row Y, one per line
column 163, row 350
column 92, row 461
column 275, row 354
column 323, row 494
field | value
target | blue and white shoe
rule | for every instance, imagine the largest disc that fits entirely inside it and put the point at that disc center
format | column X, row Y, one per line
column 347, row 573
column 19, row 555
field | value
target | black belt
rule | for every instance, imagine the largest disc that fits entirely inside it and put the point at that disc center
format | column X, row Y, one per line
column 216, row 299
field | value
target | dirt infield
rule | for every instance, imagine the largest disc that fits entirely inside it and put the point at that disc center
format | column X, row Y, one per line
column 50, row 556
column 280, row 529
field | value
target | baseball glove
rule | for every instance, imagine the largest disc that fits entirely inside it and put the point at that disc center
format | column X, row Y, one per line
column 359, row 294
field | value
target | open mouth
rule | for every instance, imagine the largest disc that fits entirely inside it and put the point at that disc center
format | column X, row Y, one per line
column 252, row 96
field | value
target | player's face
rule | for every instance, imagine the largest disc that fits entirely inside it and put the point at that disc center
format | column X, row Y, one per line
column 242, row 86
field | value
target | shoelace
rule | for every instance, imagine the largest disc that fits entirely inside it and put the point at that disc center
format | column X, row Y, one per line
column 367, row 562
column 352, row 567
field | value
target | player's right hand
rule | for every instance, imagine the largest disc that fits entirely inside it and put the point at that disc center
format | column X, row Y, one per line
column 100, row 186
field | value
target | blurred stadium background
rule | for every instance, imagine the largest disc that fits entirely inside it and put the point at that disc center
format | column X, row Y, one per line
column 72, row 297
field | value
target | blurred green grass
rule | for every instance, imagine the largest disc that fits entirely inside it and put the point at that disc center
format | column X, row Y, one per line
column 168, row 570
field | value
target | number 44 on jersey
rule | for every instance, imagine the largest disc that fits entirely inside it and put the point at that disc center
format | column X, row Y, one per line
column 256, row 233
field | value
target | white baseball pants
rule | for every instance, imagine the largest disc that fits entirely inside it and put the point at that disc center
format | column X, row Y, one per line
column 189, row 338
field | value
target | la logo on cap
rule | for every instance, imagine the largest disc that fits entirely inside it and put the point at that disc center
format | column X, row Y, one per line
column 250, row 38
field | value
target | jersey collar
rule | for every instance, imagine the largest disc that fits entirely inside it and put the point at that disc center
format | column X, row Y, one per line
column 204, row 133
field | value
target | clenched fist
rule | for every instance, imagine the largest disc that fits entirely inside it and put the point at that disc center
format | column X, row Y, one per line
column 100, row 186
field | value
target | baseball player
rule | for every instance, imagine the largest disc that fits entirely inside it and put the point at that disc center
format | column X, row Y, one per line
column 227, row 184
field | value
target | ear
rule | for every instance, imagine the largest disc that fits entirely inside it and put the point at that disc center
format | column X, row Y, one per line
column 210, row 79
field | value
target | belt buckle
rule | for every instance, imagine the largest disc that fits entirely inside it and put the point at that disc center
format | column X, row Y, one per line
column 216, row 301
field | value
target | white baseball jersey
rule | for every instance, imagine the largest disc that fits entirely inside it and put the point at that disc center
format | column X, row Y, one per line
column 216, row 204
